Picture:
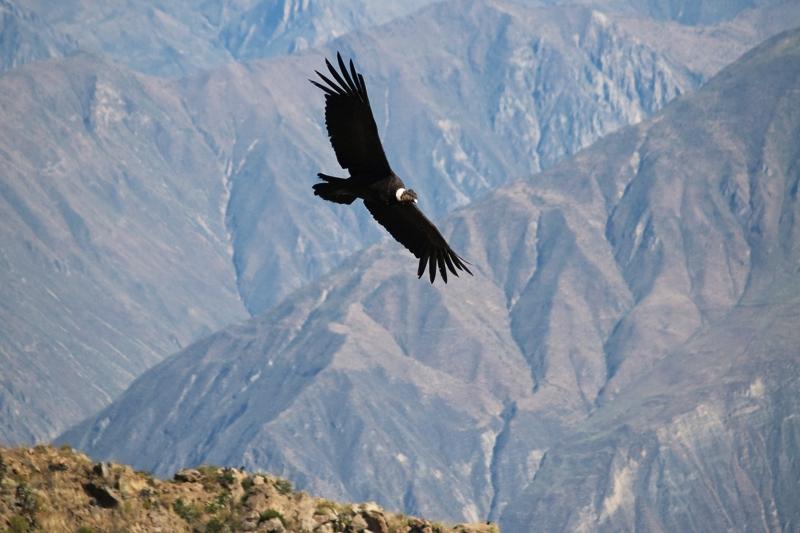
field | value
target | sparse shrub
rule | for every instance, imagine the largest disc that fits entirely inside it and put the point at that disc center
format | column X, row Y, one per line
column 26, row 500
column 284, row 486
column 3, row 468
column 219, row 502
column 211, row 507
column 211, row 476
column 84, row 529
column 216, row 525
column 227, row 478
column 327, row 507
column 188, row 512
column 65, row 448
column 57, row 467
column 247, row 483
column 269, row 514
column 128, row 509
column 209, row 471
column 18, row 524
column 145, row 474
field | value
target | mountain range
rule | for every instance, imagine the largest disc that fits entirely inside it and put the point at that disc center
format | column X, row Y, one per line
column 623, row 358
column 142, row 213
column 179, row 38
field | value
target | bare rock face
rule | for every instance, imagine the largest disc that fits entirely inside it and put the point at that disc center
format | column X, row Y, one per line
column 80, row 226
column 625, row 349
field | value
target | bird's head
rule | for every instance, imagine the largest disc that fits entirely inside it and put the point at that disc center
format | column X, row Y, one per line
column 406, row 196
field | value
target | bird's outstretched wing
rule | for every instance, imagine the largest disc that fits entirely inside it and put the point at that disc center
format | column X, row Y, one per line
column 413, row 230
column 351, row 126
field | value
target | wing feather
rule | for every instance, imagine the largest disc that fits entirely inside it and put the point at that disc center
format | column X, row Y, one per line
column 345, row 87
column 343, row 69
column 411, row 228
column 363, row 86
column 338, row 90
column 326, row 89
column 423, row 262
column 449, row 263
column 354, row 78
column 350, row 123
column 442, row 269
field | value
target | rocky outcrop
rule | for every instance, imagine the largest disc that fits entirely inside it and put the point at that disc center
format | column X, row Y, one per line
column 59, row 490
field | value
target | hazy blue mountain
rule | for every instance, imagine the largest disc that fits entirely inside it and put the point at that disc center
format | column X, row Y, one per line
column 693, row 12
column 25, row 37
column 157, row 211
column 114, row 248
column 624, row 357
column 163, row 37
column 720, row 42
column 176, row 38
column 471, row 99
column 150, row 208
column 479, row 94
column 271, row 28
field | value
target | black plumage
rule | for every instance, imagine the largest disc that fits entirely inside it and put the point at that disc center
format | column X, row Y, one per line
column 355, row 140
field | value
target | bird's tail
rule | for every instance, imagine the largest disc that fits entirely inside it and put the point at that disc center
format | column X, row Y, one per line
column 334, row 190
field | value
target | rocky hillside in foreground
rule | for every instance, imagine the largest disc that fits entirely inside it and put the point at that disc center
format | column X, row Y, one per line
column 55, row 490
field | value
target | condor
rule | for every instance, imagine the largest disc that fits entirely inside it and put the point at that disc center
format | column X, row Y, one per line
column 355, row 140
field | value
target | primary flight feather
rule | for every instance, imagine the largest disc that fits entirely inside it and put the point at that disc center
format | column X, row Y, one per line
column 355, row 140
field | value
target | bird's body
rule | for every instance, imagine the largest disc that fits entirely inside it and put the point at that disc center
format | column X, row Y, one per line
column 358, row 149
column 381, row 189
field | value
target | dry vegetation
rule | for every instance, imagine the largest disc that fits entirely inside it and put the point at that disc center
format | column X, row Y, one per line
column 53, row 490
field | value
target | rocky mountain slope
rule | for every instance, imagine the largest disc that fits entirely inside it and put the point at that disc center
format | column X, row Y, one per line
column 24, row 37
column 176, row 38
column 469, row 116
column 179, row 38
column 691, row 12
column 140, row 213
column 625, row 349
column 59, row 490
column 114, row 248
column 268, row 29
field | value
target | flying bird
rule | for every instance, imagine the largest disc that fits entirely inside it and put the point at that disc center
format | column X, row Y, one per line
column 355, row 140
